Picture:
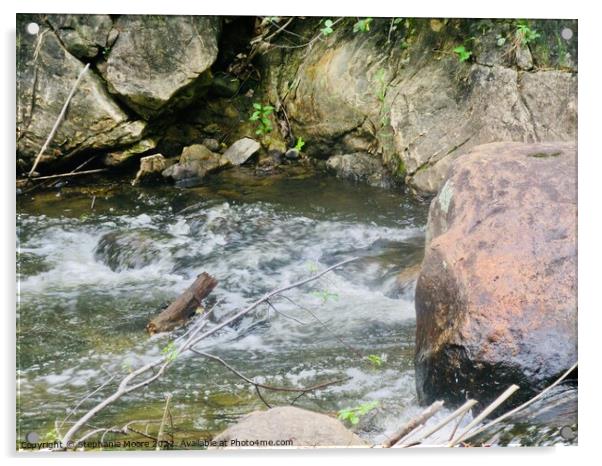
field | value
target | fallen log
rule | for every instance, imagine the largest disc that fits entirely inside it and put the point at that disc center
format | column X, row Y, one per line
column 184, row 307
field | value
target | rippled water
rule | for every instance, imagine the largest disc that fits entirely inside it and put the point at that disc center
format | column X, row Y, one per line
column 82, row 314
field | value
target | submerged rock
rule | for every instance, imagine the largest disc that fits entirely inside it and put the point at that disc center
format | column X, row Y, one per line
column 157, row 57
column 239, row 152
column 304, row 428
column 496, row 296
column 359, row 167
column 132, row 249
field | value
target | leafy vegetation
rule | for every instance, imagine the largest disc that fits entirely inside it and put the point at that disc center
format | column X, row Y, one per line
column 363, row 25
column 463, row 54
column 525, row 34
column 382, row 84
column 325, row 295
column 261, row 115
column 170, row 352
column 375, row 359
column 300, row 143
column 353, row 415
column 327, row 29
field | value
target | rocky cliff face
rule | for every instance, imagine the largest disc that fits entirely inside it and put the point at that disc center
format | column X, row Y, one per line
column 404, row 96
column 140, row 66
column 395, row 99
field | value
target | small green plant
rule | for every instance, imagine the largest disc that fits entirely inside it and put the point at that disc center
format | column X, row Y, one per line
column 363, row 25
column 525, row 34
column 300, row 143
column 375, row 360
column 353, row 415
column 382, row 84
column 463, row 54
column 327, row 29
column 500, row 40
column 261, row 115
column 325, row 295
column 170, row 352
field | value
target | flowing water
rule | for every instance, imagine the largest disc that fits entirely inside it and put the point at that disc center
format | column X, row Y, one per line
column 82, row 308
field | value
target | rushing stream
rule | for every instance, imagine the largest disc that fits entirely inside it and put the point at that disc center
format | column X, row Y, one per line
column 83, row 308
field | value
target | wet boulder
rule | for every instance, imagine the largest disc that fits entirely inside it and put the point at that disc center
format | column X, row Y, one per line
column 131, row 249
column 304, row 428
column 496, row 298
column 158, row 60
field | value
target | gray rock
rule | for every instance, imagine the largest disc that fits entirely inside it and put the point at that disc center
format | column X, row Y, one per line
column 359, row 167
column 85, row 36
column 211, row 144
column 304, row 428
column 151, row 167
column 46, row 73
column 159, row 58
column 292, row 154
column 524, row 60
column 118, row 157
column 195, row 163
column 239, row 152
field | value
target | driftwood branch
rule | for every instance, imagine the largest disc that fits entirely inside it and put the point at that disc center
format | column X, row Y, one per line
column 58, row 120
column 184, row 307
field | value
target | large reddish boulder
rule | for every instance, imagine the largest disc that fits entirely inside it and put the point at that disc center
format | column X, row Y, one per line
column 496, row 298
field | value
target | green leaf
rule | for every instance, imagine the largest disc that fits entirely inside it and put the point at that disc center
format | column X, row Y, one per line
column 257, row 106
column 375, row 359
column 462, row 53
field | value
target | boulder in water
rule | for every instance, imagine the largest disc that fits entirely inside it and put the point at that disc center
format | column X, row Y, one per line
column 132, row 249
column 496, row 299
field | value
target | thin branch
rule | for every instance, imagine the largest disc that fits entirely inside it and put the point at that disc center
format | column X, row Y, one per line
column 58, row 120
column 486, row 412
column 413, row 423
column 261, row 385
column 160, row 434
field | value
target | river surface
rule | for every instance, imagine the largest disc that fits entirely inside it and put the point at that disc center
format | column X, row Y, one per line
column 82, row 309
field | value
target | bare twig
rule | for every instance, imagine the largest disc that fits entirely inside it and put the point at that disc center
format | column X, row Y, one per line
column 58, row 120
column 160, row 434
column 486, row 412
column 413, row 423
column 456, row 414
column 72, row 173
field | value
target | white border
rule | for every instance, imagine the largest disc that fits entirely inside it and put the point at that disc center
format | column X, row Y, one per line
column 590, row 233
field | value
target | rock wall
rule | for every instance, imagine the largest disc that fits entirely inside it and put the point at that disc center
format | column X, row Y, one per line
column 141, row 67
column 405, row 98
column 392, row 104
